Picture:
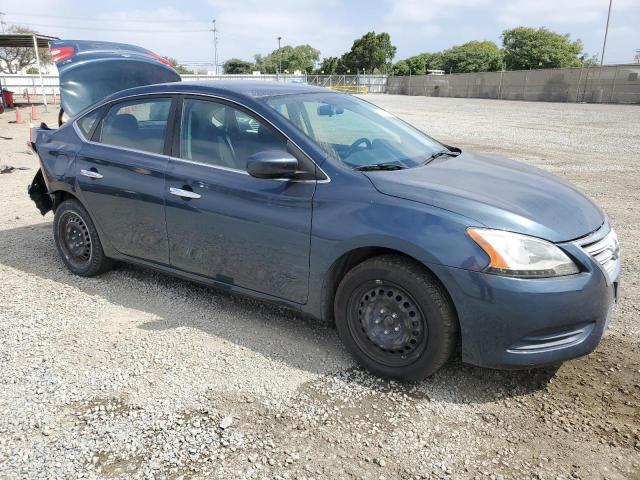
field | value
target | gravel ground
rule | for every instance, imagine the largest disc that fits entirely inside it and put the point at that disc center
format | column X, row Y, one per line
column 139, row 375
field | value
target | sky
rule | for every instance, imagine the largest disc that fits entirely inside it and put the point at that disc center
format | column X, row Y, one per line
column 247, row 27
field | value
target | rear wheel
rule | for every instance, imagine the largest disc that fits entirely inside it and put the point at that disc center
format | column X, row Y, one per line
column 396, row 318
column 77, row 240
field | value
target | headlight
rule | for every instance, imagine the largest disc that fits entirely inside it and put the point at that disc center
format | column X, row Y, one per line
column 521, row 256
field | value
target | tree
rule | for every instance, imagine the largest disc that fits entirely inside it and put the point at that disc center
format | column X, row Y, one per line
column 526, row 47
column 422, row 62
column 14, row 59
column 419, row 64
column 590, row 60
column 181, row 69
column 259, row 62
column 329, row 66
column 401, row 67
column 474, row 56
column 290, row 59
column 302, row 57
column 235, row 65
column 371, row 52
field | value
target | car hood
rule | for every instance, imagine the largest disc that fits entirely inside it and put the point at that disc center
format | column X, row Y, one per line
column 91, row 71
column 496, row 193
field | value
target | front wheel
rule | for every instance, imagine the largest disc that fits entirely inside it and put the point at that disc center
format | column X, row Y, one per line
column 395, row 318
column 77, row 240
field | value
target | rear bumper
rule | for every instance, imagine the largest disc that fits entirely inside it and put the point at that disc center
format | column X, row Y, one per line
column 522, row 323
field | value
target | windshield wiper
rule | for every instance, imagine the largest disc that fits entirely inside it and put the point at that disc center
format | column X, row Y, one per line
column 380, row 166
column 451, row 153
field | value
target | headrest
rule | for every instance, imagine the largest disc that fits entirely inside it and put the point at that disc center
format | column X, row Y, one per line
column 125, row 122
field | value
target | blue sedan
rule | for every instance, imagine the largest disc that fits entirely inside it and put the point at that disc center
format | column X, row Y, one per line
column 327, row 204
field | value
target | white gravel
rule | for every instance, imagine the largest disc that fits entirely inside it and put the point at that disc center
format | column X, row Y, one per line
column 139, row 375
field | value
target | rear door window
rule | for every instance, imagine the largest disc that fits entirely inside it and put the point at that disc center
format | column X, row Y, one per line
column 137, row 124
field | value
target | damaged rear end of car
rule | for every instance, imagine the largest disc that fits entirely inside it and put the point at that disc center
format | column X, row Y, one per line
column 56, row 150
column 38, row 190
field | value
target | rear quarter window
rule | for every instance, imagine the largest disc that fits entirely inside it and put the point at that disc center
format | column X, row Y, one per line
column 86, row 123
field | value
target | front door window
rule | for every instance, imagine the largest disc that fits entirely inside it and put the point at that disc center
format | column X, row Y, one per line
column 217, row 134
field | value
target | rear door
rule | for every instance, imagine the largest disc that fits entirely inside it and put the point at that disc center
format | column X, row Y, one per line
column 121, row 176
column 224, row 224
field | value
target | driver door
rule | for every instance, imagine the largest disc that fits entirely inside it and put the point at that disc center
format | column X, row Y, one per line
column 231, row 227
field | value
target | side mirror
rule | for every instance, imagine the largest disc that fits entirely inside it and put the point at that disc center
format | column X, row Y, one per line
column 272, row 164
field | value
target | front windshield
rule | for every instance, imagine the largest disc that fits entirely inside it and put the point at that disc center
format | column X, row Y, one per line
column 355, row 131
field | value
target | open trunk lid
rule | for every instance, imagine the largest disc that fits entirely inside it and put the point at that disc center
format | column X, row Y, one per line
column 90, row 71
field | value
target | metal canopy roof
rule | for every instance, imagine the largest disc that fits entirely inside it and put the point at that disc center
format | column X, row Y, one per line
column 24, row 40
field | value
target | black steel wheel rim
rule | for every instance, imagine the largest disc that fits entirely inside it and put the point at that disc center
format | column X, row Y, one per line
column 75, row 239
column 387, row 323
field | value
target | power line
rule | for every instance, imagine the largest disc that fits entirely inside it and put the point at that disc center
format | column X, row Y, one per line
column 133, row 30
column 117, row 20
column 116, row 29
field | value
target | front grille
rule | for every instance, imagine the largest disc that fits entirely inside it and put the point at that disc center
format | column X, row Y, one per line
column 606, row 252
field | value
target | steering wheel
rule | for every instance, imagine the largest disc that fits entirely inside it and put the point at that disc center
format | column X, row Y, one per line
column 355, row 146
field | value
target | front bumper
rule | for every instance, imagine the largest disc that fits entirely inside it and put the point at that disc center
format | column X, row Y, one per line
column 522, row 323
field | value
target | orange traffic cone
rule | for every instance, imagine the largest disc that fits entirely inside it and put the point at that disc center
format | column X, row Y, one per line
column 34, row 113
column 19, row 116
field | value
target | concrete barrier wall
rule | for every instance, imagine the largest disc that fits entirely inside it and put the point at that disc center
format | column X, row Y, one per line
column 607, row 84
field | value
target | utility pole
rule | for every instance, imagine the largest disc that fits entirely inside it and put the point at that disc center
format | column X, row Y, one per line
column 606, row 31
column 215, row 47
column 279, row 58
column 2, row 14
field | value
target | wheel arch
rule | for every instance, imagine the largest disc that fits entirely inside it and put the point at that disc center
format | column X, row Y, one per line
column 350, row 259
column 60, row 195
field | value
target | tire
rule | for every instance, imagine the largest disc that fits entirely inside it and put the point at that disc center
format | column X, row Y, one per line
column 77, row 240
column 395, row 318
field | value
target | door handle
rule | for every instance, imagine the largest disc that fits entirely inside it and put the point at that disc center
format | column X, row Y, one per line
column 90, row 174
column 183, row 193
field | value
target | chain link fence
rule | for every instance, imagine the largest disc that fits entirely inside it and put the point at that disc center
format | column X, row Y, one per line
column 28, row 86
column 351, row 83
column 607, row 84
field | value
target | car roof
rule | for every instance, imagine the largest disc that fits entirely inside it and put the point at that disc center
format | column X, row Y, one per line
column 244, row 88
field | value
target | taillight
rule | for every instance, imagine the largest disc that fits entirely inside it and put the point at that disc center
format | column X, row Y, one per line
column 61, row 53
column 160, row 59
